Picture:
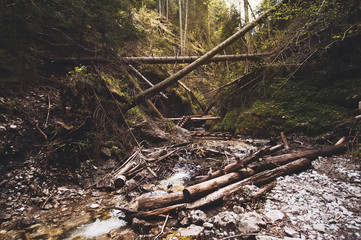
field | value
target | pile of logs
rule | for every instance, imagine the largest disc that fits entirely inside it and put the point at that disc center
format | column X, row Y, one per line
column 260, row 168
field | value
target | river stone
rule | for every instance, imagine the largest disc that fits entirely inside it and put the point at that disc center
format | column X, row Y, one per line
column 319, row 227
column 198, row 217
column 225, row 219
column 192, row 230
column 274, row 215
column 291, row 232
column 208, row 225
column 260, row 237
column 94, row 205
column 250, row 222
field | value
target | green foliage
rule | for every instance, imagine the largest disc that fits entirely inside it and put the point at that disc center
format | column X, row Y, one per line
column 32, row 31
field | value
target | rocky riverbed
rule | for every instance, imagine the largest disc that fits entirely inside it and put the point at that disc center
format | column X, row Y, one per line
column 321, row 203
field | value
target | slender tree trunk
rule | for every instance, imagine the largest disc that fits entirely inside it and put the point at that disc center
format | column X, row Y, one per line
column 180, row 26
column 185, row 29
column 180, row 74
column 167, row 10
column 246, row 21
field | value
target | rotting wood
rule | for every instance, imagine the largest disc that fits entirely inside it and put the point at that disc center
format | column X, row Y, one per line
column 285, row 142
column 275, row 161
column 139, row 98
column 200, row 189
column 242, row 162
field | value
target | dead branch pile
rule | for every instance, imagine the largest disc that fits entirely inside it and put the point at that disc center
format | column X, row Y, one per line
column 259, row 168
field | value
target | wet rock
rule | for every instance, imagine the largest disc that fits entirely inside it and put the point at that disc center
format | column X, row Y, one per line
column 274, row 215
column 191, row 231
column 197, row 217
column 291, row 232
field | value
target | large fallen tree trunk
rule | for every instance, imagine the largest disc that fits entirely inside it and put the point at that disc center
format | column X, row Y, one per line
column 180, row 74
column 202, row 188
column 258, row 179
column 158, row 60
column 275, row 161
column 189, row 59
column 159, row 201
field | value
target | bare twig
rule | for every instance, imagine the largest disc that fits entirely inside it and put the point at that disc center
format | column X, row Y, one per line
column 47, row 116
column 48, row 198
column 162, row 231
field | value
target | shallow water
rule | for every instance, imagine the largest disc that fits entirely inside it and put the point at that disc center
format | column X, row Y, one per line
column 99, row 227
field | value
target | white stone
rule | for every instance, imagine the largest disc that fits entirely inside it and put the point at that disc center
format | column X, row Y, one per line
column 274, row 215
column 94, row 205
column 192, row 230
column 291, row 232
column 319, row 227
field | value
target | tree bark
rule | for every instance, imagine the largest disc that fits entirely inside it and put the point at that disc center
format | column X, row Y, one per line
column 285, row 142
column 159, row 201
column 180, row 74
column 190, row 59
column 180, row 26
column 258, row 179
column 242, row 162
column 275, row 161
column 200, row 189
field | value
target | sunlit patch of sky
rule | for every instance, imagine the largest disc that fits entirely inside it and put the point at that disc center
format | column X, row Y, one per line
column 238, row 4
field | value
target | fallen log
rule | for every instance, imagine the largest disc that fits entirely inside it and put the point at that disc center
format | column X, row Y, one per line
column 243, row 162
column 275, row 161
column 200, row 189
column 153, row 202
column 141, row 97
column 258, row 179
column 190, row 59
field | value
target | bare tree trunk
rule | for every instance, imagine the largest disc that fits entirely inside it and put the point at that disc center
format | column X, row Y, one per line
column 246, row 21
column 185, row 30
column 167, row 10
column 180, row 27
column 141, row 97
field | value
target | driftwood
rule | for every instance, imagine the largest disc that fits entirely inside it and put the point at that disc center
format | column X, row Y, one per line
column 141, row 97
column 208, row 186
column 243, row 162
column 275, row 161
column 258, row 179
